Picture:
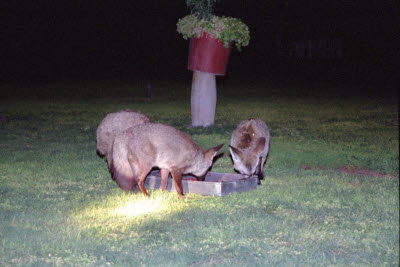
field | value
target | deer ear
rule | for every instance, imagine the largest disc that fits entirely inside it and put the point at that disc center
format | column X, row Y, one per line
column 259, row 146
column 210, row 153
column 236, row 153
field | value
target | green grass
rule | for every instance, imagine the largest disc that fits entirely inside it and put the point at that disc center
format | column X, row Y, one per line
column 59, row 206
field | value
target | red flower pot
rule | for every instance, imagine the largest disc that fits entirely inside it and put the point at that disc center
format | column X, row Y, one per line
column 208, row 54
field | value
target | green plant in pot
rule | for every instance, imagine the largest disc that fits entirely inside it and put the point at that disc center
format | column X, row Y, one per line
column 201, row 20
column 211, row 39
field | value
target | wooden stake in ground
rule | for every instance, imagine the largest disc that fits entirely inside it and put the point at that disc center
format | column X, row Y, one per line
column 203, row 99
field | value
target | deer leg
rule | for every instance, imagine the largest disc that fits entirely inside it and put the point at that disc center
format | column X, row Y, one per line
column 260, row 173
column 164, row 179
column 177, row 178
column 142, row 173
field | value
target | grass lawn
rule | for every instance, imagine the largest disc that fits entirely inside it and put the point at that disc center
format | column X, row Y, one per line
column 60, row 207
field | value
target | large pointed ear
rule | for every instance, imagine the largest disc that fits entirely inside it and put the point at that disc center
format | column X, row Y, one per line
column 210, row 153
column 259, row 146
column 236, row 153
column 250, row 124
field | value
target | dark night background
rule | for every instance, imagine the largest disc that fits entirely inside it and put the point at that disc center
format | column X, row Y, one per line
column 88, row 40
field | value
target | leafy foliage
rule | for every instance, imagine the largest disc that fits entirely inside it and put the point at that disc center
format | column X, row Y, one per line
column 226, row 29
column 202, row 21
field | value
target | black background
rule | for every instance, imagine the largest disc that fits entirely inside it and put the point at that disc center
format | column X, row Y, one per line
column 67, row 40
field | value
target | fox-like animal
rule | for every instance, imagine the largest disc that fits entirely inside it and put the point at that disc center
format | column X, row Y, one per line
column 249, row 147
column 138, row 149
column 113, row 124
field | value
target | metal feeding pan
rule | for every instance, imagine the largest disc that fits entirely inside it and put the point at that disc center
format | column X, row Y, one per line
column 215, row 183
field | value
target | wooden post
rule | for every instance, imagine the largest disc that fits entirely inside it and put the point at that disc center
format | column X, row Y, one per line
column 203, row 99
